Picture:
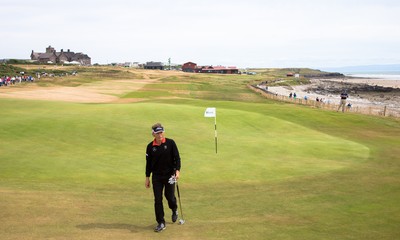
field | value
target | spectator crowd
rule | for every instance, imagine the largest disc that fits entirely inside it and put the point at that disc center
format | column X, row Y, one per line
column 13, row 80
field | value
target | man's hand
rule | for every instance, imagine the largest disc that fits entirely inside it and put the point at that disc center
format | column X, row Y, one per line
column 147, row 182
column 177, row 174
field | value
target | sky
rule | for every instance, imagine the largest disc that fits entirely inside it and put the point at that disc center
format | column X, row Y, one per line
column 245, row 34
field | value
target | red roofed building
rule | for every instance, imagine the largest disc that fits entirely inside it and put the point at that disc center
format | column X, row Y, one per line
column 220, row 69
column 189, row 67
column 192, row 67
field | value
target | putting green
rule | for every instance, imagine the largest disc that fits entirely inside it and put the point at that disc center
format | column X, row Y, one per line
column 90, row 144
column 256, row 147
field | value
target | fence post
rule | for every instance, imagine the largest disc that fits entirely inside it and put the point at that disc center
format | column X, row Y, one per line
column 384, row 111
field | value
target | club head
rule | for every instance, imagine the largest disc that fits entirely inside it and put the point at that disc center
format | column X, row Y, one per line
column 181, row 221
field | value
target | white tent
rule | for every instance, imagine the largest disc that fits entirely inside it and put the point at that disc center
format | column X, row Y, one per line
column 73, row 63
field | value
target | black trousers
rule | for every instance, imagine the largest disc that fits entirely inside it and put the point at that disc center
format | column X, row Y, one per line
column 158, row 186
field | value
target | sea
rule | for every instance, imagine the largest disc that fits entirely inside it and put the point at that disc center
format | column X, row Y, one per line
column 387, row 71
column 393, row 75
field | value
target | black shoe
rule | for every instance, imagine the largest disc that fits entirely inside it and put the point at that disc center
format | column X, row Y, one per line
column 174, row 215
column 160, row 227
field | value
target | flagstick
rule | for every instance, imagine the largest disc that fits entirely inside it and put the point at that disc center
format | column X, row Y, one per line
column 216, row 138
column 212, row 112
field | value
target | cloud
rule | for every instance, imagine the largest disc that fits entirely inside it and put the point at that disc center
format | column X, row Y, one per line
column 252, row 32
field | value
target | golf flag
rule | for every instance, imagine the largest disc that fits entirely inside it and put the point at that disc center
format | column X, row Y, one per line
column 212, row 112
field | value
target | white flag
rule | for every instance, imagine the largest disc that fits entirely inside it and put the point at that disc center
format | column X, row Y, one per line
column 210, row 112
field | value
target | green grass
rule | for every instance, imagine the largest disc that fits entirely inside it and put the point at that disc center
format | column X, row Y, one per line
column 76, row 171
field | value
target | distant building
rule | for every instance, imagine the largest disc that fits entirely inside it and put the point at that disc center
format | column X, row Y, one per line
column 51, row 56
column 189, row 67
column 192, row 67
column 289, row 74
column 131, row 64
column 154, row 65
column 220, row 69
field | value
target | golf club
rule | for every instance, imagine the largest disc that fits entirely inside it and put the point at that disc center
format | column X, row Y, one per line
column 181, row 221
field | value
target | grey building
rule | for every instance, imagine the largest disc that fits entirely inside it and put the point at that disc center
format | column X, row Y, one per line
column 51, row 55
column 154, row 65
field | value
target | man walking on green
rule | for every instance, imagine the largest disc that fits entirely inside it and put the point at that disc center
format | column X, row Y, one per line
column 162, row 162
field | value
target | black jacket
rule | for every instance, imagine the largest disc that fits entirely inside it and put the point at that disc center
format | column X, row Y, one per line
column 163, row 160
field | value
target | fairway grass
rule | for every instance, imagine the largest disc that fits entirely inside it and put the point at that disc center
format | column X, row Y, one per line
column 76, row 171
